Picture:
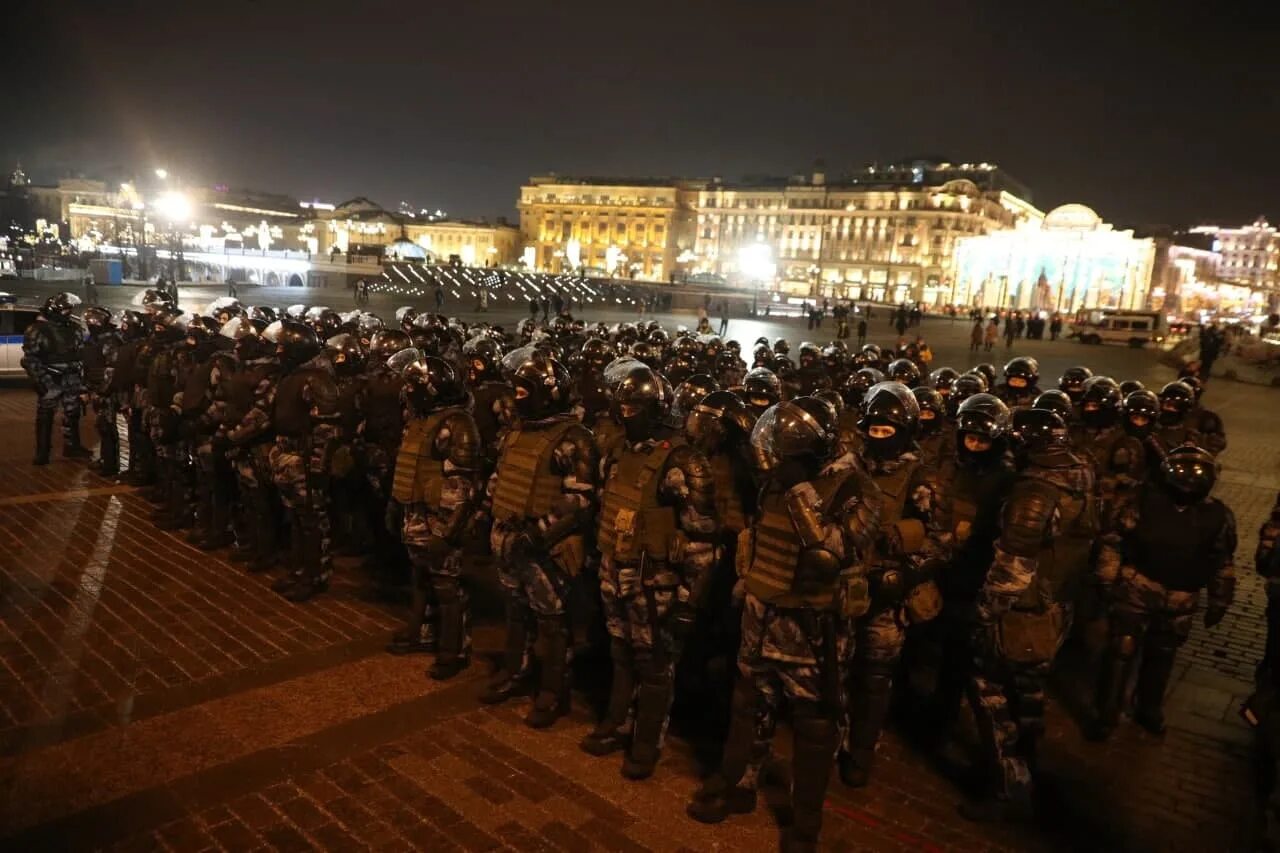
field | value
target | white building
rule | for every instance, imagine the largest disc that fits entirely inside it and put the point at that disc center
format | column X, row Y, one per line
column 1070, row 260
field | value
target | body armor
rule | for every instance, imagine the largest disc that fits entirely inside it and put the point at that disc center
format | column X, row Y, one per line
column 419, row 475
column 608, row 435
column 162, row 381
column 729, row 504
column 53, row 343
column 527, row 486
column 122, row 375
column 382, row 409
column 487, row 395
column 1174, row 547
column 292, row 414
column 97, row 357
column 238, row 389
column 771, row 572
column 632, row 520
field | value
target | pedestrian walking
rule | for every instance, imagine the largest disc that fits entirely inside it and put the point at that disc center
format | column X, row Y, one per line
column 975, row 335
column 1010, row 332
column 862, row 331
column 992, row 333
column 724, row 317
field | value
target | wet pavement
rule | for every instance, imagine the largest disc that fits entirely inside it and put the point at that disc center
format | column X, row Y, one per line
column 156, row 697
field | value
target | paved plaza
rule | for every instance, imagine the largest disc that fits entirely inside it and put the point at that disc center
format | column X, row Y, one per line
column 156, row 697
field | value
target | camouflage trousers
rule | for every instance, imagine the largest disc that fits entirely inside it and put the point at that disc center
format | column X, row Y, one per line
column 106, row 408
column 59, row 390
column 880, row 636
column 636, row 608
column 785, row 655
column 537, row 586
column 437, row 571
column 299, row 470
column 255, row 516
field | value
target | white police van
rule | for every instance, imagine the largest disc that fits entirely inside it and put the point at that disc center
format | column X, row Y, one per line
column 13, row 323
column 1135, row 328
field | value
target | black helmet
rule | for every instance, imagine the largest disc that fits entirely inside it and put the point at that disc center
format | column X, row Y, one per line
column 762, row 356
column 687, row 395
column 296, row 343
column 761, row 388
column 833, row 359
column 134, row 326
column 1188, row 474
column 482, row 356
column 405, row 317
column 1128, row 386
column 712, row 347
column 430, row 383
column 168, row 324
column 810, row 354
column 224, row 308
column 889, row 419
column 263, row 312
column 680, row 368
column 983, row 422
column 249, row 342
column 1100, row 403
column 716, row 417
column 857, row 384
column 832, row 396
column 640, row 402
column 97, row 319
column 965, row 386
column 60, row 305
column 386, row 343
column 1194, row 383
column 1072, row 381
column 734, row 347
column 1139, row 412
column 933, row 409
column 942, row 379
column 1055, row 401
column 781, row 347
column 1176, row 399
column 201, row 329
column 987, row 371
column 1039, row 429
column 542, row 384
column 596, row 353
column 789, row 441
column 153, row 300
column 826, row 414
column 347, row 354
column 1022, row 373
column 903, row 370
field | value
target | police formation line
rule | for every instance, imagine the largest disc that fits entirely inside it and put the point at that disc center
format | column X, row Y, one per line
column 844, row 528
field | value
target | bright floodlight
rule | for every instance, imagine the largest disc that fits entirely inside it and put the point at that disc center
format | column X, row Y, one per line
column 756, row 261
column 162, row 174
column 174, row 207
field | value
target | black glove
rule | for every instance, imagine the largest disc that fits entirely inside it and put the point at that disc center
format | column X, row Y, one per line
column 1213, row 614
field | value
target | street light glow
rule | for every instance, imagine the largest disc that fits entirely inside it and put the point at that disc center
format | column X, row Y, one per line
column 162, row 174
column 756, row 262
column 173, row 206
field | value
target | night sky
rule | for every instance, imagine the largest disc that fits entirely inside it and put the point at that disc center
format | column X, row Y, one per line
column 1149, row 112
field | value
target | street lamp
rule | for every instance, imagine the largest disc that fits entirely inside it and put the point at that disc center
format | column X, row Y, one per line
column 175, row 207
column 162, row 174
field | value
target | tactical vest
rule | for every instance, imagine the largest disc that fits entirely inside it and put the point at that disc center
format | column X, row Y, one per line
column 349, row 393
column 776, row 552
column 96, row 359
column 122, row 376
column 1173, row 546
column 527, row 486
column 161, row 384
column 292, row 414
column 61, row 340
column 237, row 390
column 1064, row 556
column 895, row 485
column 195, row 390
column 383, row 413
column 608, row 434
column 632, row 521
column 419, row 476
column 728, row 497
column 146, row 353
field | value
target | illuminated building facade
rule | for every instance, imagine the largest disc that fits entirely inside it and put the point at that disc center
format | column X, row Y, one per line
column 1069, row 261
column 623, row 227
column 361, row 227
column 887, row 234
column 1250, row 254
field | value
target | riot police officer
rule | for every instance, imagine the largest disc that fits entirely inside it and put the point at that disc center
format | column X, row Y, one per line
column 383, row 426
column 804, row 570
column 434, row 491
column 1173, row 427
column 52, row 349
column 1021, row 383
column 1023, row 607
column 99, row 360
column 761, row 389
column 656, row 536
column 1169, row 541
column 1205, row 421
column 903, row 591
column 307, row 424
column 543, row 497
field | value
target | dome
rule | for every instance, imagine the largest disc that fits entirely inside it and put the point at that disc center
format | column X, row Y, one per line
column 406, row 250
column 1072, row 217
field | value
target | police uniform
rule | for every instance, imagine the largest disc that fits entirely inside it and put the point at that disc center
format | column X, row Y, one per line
column 99, row 363
column 52, row 350
column 247, row 396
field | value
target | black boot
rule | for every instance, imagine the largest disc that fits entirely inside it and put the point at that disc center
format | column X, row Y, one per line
column 721, row 795
column 512, row 675
column 451, row 652
column 552, row 701
column 1158, row 656
column 44, row 436
column 815, row 741
column 412, row 639
column 262, row 539
column 109, row 454
column 870, row 702
column 314, row 578
column 1112, row 678
column 653, row 701
column 71, row 446
column 608, row 736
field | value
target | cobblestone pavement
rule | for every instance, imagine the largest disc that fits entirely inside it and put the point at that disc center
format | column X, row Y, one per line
column 156, row 697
